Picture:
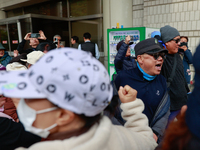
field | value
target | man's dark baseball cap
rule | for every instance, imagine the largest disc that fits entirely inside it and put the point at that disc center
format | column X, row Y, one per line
column 148, row 46
column 120, row 44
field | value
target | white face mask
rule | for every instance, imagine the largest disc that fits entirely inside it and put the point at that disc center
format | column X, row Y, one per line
column 27, row 116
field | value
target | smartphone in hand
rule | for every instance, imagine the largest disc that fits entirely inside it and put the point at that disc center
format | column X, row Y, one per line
column 35, row 35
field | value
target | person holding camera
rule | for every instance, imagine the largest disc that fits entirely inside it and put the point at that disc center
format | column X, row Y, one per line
column 186, row 55
column 173, row 71
column 56, row 40
column 34, row 40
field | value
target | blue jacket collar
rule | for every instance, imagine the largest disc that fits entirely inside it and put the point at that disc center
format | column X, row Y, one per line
column 145, row 75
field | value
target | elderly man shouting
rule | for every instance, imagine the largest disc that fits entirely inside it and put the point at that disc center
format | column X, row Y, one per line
column 151, row 86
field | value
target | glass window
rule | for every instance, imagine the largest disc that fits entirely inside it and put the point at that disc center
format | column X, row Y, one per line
column 14, row 12
column 4, row 37
column 84, row 7
column 25, row 28
column 50, row 8
column 13, row 32
column 52, row 27
column 94, row 27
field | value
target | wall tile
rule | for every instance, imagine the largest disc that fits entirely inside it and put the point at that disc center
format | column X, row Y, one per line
column 184, row 25
column 187, row 16
column 169, row 1
column 193, row 42
column 156, row 19
column 160, row 18
column 189, row 25
column 157, row 2
column 191, row 34
column 173, row 17
column 176, row 7
column 163, row 9
column 185, row 6
column 186, row 34
column 171, row 7
column 175, row 25
column 182, row 17
column 155, row 10
column 196, row 16
column 171, row 24
column 180, row 24
column 194, row 25
column 152, row 19
column 192, row 15
column 180, row 7
column 194, row 5
column 190, row 6
column 195, row 33
column 169, row 17
column 178, row 17
column 159, row 9
column 198, row 27
column 198, row 4
column 197, row 42
column 167, row 10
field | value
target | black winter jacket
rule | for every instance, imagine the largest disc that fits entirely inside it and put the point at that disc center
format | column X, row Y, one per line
column 121, row 62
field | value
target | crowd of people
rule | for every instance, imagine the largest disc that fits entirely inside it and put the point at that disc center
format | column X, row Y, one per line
column 56, row 97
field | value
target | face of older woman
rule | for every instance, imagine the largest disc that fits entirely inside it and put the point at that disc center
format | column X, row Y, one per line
column 1, row 52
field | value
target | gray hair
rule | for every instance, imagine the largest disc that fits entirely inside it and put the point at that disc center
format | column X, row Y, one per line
column 56, row 36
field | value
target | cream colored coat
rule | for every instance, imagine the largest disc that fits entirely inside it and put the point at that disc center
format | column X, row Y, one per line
column 136, row 135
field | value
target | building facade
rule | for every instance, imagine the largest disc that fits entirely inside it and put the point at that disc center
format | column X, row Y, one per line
column 74, row 17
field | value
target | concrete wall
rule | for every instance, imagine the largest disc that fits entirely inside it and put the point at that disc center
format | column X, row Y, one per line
column 115, row 11
column 181, row 14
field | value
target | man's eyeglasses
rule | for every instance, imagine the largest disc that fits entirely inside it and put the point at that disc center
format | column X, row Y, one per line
column 176, row 40
column 157, row 55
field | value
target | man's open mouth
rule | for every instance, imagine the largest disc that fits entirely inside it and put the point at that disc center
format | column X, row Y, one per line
column 158, row 65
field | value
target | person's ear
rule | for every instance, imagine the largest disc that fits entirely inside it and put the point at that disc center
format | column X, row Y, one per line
column 166, row 44
column 140, row 59
column 65, row 118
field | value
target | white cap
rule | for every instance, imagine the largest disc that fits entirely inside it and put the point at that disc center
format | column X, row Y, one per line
column 33, row 57
column 69, row 78
column 15, row 66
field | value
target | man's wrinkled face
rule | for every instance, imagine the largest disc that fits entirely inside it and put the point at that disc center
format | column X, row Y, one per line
column 34, row 42
column 149, row 64
column 1, row 52
column 173, row 45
